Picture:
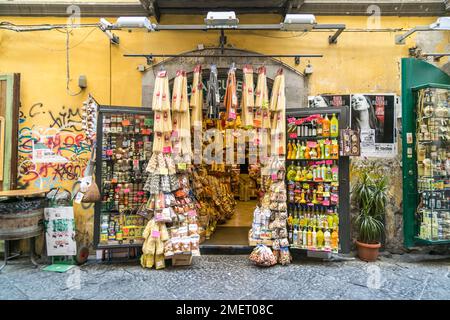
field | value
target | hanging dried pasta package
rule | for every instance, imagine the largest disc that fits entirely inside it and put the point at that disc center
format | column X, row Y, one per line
column 262, row 100
column 161, row 92
column 166, row 122
column 248, row 99
column 184, row 102
column 177, row 94
column 278, row 98
column 196, row 101
column 213, row 96
column 158, row 142
column 231, row 100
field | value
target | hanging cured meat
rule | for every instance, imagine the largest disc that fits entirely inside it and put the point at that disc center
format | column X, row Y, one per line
column 196, row 102
column 248, row 99
column 213, row 95
column 161, row 93
column 262, row 115
column 231, row 100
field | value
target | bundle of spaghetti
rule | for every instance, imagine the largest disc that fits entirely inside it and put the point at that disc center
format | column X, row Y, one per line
column 196, row 102
column 248, row 99
column 262, row 116
column 213, row 96
column 161, row 93
column 231, row 101
column 278, row 98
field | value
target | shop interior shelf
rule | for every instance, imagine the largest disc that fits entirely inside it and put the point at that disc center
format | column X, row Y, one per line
column 312, row 138
column 435, row 177
column 435, row 190
column 313, row 181
column 319, row 159
column 431, row 242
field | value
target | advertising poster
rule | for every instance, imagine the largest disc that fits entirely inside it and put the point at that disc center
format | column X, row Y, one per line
column 60, row 233
column 329, row 100
column 374, row 115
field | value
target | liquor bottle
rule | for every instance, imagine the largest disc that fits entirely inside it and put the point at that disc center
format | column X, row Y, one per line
column 295, row 236
column 334, row 239
column 319, row 128
column 335, row 173
column 320, row 238
column 334, row 126
column 314, row 238
column 327, row 239
column 326, row 126
column 314, row 128
column 304, row 238
column 324, row 172
column 307, row 154
column 309, row 238
column 335, row 149
column 299, row 151
column 289, row 154
column 327, row 153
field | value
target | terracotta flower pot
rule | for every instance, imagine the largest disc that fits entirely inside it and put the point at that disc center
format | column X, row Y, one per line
column 367, row 251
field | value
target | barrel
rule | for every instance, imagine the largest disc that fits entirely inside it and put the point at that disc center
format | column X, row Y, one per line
column 21, row 218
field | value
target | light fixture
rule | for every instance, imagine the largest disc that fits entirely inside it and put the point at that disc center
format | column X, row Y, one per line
column 134, row 22
column 221, row 20
column 442, row 23
column 298, row 22
column 105, row 26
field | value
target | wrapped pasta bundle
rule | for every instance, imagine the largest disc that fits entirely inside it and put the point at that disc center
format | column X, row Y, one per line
column 161, row 93
column 231, row 100
column 248, row 99
column 262, row 115
column 196, row 101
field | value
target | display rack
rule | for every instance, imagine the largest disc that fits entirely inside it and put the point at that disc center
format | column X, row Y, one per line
column 342, row 183
column 131, row 121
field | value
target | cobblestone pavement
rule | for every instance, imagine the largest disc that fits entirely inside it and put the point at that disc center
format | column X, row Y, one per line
column 233, row 277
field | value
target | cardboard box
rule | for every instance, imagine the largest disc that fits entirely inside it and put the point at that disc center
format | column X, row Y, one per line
column 182, row 260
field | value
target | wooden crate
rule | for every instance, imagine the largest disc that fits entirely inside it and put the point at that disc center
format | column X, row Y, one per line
column 253, row 242
column 182, row 260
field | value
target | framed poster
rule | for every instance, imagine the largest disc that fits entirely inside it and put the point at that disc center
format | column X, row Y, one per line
column 374, row 115
column 60, row 231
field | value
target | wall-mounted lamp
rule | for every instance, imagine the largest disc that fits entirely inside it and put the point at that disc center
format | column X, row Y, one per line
column 442, row 24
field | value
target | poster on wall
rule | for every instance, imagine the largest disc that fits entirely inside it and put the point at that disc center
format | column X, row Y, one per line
column 329, row 100
column 43, row 152
column 60, row 231
column 374, row 116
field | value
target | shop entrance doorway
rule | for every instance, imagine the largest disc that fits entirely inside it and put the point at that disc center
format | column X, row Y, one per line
column 234, row 188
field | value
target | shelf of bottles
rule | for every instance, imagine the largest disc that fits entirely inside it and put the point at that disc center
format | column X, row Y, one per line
column 313, row 182
column 126, row 149
column 433, row 164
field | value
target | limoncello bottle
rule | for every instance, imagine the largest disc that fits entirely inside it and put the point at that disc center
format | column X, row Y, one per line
column 334, row 126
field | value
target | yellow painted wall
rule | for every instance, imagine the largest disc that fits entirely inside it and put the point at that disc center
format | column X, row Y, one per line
column 359, row 62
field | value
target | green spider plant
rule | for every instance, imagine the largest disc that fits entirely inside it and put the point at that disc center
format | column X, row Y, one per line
column 370, row 193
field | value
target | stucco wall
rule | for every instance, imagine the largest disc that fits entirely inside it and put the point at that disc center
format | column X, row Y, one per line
column 359, row 62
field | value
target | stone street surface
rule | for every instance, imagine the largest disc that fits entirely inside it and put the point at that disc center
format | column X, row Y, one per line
column 234, row 277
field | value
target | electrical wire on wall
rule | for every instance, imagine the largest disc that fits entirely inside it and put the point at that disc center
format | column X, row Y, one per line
column 69, row 92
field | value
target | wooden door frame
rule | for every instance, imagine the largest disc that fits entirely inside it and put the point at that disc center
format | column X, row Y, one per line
column 11, row 130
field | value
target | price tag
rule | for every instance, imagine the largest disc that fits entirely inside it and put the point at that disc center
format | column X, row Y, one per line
column 192, row 213
column 79, row 197
column 274, row 177
column 109, row 152
column 182, row 166
column 326, row 194
column 148, row 122
column 156, row 234
column 329, row 162
column 126, row 122
column 326, row 202
column 291, row 120
column 167, row 150
column 292, row 135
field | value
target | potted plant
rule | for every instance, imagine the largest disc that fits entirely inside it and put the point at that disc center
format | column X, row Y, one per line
column 370, row 194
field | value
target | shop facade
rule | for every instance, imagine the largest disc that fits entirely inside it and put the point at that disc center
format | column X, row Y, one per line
column 50, row 109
